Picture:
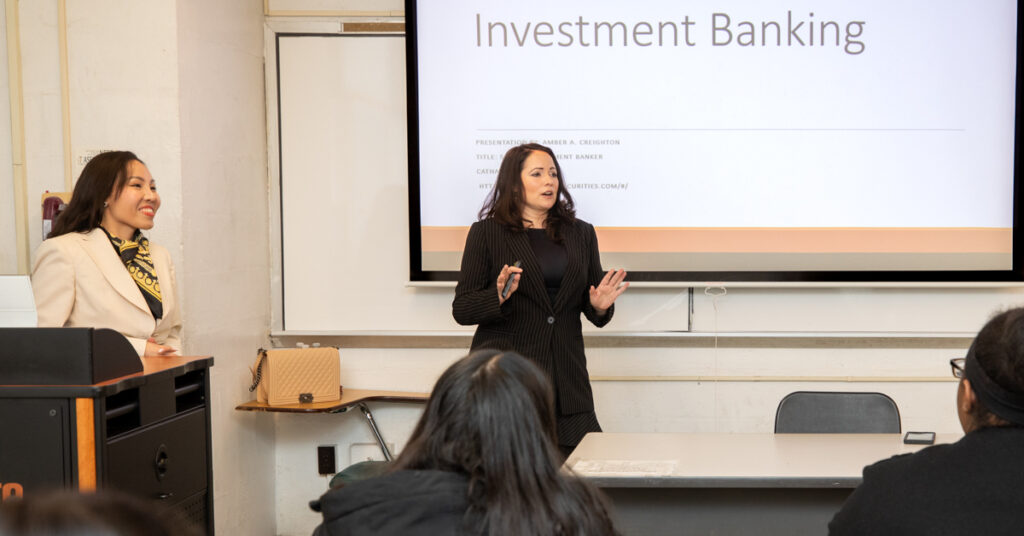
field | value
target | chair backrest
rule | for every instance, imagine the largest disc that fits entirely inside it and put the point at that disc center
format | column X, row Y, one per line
column 810, row 412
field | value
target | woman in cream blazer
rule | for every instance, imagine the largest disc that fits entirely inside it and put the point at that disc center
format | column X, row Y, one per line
column 97, row 270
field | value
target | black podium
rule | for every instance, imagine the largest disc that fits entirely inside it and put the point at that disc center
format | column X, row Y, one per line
column 79, row 409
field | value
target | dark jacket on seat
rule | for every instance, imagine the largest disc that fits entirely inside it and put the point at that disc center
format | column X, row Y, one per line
column 973, row 486
column 408, row 502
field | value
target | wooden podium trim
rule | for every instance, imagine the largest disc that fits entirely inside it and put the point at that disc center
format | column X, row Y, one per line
column 85, row 434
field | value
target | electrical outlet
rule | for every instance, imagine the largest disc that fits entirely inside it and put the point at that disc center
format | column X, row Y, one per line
column 361, row 452
column 326, row 460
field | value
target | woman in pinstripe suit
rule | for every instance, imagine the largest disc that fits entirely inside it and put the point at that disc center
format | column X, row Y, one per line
column 529, row 219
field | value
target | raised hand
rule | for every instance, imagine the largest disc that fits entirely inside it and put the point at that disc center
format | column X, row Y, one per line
column 611, row 286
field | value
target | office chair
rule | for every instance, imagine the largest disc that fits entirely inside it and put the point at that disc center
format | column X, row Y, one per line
column 810, row 412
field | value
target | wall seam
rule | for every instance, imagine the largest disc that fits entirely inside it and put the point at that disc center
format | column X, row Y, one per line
column 65, row 90
column 17, row 104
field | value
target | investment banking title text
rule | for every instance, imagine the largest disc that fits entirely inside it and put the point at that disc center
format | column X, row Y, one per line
column 725, row 31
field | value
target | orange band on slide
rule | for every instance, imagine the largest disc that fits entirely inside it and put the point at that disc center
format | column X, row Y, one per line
column 773, row 239
column 85, row 428
column 443, row 238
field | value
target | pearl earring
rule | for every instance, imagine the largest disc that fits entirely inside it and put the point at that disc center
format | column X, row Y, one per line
column 104, row 204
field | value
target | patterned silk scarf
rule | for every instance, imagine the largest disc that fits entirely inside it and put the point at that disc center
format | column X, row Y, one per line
column 135, row 256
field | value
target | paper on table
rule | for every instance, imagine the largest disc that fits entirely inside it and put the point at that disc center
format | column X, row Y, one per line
column 624, row 467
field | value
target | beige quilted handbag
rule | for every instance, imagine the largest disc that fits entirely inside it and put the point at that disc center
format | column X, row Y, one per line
column 296, row 375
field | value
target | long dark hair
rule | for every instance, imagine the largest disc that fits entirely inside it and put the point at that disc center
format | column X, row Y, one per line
column 491, row 417
column 104, row 173
column 505, row 202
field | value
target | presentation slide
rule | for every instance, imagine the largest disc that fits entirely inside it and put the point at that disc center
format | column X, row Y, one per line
column 732, row 136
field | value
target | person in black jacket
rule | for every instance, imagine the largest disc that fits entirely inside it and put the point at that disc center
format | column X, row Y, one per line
column 534, row 307
column 973, row 486
column 482, row 460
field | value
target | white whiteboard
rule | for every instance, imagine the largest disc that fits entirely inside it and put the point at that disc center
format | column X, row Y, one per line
column 344, row 244
column 343, row 171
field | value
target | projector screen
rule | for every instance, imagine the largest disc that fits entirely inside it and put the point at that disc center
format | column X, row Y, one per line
column 747, row 140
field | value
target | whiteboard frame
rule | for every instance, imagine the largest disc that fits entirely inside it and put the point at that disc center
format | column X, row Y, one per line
column 272, row 28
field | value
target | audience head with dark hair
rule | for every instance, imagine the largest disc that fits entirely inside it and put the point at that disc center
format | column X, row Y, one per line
column 991, row 391
column 489, row 426
column 103, row 513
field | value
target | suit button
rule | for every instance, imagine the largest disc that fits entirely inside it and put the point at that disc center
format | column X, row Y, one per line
column 551, row 320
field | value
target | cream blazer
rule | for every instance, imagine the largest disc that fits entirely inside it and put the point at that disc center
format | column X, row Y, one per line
column 79, row 281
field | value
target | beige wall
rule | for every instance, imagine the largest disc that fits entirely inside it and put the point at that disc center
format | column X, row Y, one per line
column 224, row 240
column 40, row 64
column 8, row 238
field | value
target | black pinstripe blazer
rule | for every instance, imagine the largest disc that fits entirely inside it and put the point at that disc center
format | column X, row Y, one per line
column 549, row 334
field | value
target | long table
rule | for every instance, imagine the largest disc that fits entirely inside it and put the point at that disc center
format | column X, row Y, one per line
column 725, row 484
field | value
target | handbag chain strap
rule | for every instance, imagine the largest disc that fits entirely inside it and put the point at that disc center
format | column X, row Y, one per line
column 258, row 375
